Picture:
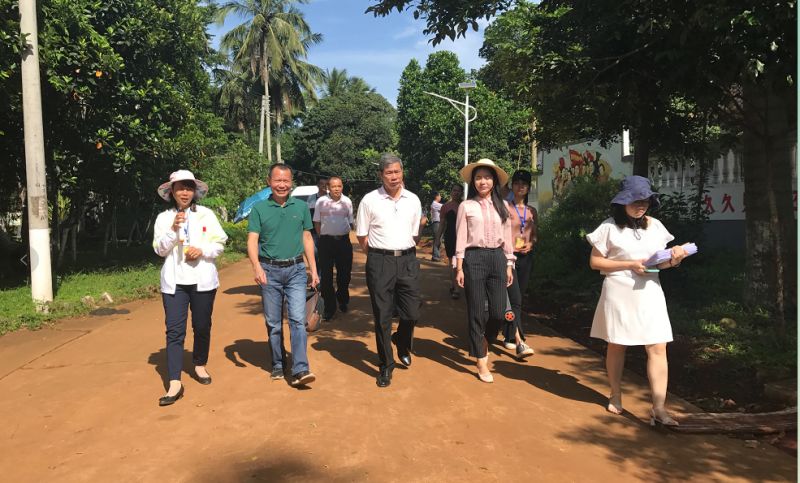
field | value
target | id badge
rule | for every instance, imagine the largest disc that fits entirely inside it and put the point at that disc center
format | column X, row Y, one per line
column 519, row 243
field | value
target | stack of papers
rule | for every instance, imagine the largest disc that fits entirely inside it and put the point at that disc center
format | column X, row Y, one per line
column 662, row 256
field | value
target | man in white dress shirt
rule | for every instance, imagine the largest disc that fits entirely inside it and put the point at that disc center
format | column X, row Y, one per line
column 436, row 208
column 333, row 220
column 387, row 228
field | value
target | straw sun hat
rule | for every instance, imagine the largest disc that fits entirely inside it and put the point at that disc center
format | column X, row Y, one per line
column 466, row 171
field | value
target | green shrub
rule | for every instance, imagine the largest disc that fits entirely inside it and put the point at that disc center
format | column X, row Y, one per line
column 561, row 257
column 237, row 236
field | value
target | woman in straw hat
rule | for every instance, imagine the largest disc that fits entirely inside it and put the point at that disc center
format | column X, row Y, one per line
column 632, row 309
column 484, row 256
column 189, row 237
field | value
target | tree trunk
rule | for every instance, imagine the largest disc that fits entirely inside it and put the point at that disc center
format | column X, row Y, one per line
column 641, row 155
column 278, row 122
column 768, row 140
column 75, row 242
column 265, row 78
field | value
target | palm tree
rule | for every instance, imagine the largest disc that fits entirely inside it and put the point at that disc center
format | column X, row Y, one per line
column 337, row 82
column 271, row 32
column 293, row 86
column 235, row 97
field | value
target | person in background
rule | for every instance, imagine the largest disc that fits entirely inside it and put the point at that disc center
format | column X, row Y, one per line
column 632, row 309
column 190, row 238
column 333, row 220
column 387, row 228
column 279, row 234
column 447, row 233
column 523, row 229
column 484, row 257
column 436, row 207
column 322, row 191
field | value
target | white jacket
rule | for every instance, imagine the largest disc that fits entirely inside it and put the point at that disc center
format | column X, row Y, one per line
column 212, row 243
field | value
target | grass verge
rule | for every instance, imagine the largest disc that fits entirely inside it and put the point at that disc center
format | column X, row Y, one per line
column 131, row 282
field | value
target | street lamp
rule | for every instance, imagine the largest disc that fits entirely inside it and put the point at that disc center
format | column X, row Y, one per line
column 464, row 109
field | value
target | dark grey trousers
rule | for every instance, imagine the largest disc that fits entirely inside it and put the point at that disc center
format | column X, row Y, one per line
column 484, row 280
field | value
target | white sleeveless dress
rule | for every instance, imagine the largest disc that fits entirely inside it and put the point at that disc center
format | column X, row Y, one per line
column 632, row 309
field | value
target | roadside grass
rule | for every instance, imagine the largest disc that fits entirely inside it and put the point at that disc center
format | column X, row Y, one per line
column 129, row 281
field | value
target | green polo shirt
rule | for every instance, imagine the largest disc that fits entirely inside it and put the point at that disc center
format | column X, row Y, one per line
column 280, row 228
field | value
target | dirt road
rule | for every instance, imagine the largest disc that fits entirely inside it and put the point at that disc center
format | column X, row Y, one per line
column 79, row 403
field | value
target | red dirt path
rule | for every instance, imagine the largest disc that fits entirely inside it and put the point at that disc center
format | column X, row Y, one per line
column 79, row 403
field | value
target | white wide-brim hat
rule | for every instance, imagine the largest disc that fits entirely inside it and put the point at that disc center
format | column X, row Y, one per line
column 201, row 189
column 466, row 171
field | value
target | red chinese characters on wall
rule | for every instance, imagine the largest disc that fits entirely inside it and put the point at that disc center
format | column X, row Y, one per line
column 727, row 205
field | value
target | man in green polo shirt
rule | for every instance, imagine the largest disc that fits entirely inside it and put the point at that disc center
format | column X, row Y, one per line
column 279, row 234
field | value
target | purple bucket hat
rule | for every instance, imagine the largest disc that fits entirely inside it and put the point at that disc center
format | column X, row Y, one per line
column 635, row 188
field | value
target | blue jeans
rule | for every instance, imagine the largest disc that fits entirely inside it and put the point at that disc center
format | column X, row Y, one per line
column 289, row 283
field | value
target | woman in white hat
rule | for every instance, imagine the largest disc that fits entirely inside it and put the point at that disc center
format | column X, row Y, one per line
column 484, row 256
column 189, row 237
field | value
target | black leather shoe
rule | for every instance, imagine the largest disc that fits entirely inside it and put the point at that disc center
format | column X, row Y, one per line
column 168, row 400
column 343, row 308
column 384, row 379
column 327, row 317
column 402, row 354
column 203, row 380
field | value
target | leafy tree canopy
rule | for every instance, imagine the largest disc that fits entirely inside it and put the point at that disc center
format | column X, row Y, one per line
column 342, row 135
column 445, row 18
column 431, row 131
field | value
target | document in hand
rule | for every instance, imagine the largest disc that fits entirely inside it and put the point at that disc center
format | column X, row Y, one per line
column 662, row 256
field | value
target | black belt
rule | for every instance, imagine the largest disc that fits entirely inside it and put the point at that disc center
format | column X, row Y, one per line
column 469, row 249
column 394, row 253
column 336, row 237
column 282, row 263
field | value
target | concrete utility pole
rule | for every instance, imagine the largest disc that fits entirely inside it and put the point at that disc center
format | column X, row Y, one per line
column 38, row 229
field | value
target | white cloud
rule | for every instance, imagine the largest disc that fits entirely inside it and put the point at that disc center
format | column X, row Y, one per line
column 409, row 31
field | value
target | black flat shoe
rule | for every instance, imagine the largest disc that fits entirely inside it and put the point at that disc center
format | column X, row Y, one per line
column 384, row 379
column 203, row 380
column 169, row 400
column 343, row 308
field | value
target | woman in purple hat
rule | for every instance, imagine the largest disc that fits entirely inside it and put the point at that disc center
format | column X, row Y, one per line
column 190, row 238
column 632, row 309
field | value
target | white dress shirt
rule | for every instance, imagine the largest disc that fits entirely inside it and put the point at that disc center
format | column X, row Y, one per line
column 436, row 208
column 334, row 217
column 389, row 224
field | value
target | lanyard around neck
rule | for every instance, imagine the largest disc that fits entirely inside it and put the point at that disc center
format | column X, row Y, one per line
column 522, row 217
column 186, row 227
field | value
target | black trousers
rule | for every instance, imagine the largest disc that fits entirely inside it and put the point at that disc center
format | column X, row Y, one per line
column 522, row 274
column 484, row 281
column 335, row 252
column 176, row 309
column 393, row 279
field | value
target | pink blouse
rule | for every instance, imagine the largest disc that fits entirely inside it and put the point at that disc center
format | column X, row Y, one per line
column 479, row 225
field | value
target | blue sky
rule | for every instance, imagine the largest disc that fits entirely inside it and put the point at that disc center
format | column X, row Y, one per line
column 374, row 48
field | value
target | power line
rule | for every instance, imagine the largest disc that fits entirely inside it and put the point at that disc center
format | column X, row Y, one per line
column 322, row 175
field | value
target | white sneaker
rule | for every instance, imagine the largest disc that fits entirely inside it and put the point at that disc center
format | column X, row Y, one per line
column 510, row 345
